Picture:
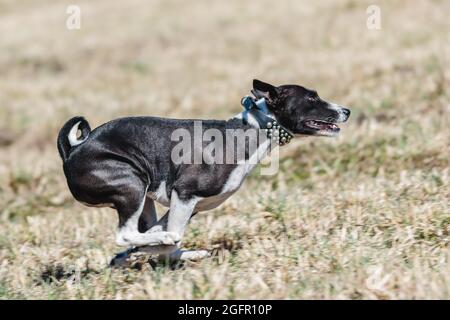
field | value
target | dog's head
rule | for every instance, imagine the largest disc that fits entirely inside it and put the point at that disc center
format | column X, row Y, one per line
column 301, row 110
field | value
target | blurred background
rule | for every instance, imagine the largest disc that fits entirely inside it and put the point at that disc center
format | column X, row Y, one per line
column 363, row 216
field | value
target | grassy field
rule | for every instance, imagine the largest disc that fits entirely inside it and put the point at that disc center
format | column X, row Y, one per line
column 363, row 216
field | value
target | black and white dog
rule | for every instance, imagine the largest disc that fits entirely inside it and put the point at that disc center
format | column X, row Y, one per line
column 127, row 163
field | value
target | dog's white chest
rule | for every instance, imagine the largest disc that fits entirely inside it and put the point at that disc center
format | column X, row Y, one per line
column 238, row 175
column 233, row 183
column 236, row 178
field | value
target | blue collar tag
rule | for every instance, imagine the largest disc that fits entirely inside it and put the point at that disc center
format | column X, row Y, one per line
column 249, row 103
column 257, row 106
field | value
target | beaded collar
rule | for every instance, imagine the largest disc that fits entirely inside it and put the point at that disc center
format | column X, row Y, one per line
column 258, row 109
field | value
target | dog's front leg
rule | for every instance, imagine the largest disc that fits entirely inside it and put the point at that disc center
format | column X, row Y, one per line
column 177, row 219
column 181, row 210
column 174, row 223
column 147, row 220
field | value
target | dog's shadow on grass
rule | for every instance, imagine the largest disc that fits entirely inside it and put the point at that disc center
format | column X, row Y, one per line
column 136, row 260
column 56, row 273
column 128, row 260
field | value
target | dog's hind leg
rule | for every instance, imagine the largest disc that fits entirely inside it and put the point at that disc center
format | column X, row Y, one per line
column 147, row 220
column 130, row 207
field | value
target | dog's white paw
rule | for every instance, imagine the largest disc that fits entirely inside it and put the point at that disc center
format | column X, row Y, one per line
column 195, row 255
column 169, row 238
column 187, row 255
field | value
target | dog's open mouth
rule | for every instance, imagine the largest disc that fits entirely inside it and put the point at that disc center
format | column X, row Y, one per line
column 322, row 127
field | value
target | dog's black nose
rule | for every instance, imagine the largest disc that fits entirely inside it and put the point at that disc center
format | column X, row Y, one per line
column 346, row 112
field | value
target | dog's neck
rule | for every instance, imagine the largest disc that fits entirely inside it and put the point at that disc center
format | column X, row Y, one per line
column 258, row 115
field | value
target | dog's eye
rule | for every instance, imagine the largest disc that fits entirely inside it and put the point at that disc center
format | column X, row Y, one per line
column 312, row 99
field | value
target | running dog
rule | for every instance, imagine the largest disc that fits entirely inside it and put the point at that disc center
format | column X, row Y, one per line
column 127, row 163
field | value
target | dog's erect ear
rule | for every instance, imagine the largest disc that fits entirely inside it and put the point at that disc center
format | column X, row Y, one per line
column 264, row 90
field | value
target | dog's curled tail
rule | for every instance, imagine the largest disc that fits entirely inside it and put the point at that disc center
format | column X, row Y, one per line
column 67, row 137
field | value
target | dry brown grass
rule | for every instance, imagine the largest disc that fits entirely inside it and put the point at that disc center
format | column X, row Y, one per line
column 362, row 216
